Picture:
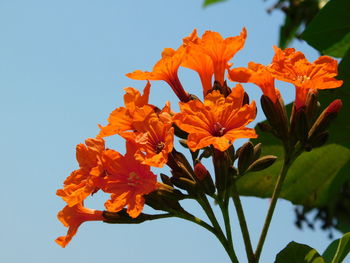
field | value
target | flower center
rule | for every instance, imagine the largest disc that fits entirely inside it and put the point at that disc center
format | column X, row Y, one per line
column 159, row 147
column 303, row 78
column 219, row 130
column 132, row 179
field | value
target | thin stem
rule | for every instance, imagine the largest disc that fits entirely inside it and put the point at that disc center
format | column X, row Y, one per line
column 226, row 216
column 228, row 245
column 276, row 192
column 243, row 224
column 217, row 232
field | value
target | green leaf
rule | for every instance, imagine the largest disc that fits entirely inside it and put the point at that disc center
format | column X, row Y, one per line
column 210, row 2
column 298, row 253
column 329, row 31
column 337, row 250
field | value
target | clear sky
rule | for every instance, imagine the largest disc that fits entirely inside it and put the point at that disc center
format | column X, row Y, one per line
column 62, row 70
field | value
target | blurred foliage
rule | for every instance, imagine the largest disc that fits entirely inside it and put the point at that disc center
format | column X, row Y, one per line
column 298, row 14
column 329, row 32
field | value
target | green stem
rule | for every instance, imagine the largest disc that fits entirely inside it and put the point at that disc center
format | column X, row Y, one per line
column 226, row 216
column 243, row 224
column 276, row 193
column 203, row 201
column 217, row 232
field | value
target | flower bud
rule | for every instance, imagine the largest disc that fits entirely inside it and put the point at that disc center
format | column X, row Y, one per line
column 184, row 183
column 262, row 163
column 276, row 115
column 265, row 127
column 204, row 177
column 323, row 121
column 317, row 141
column 165, row 179
column 200, row 171
column 207, row 152
column 179, row 165
column 245, row 157
column 301, row 125
column 257, row 151
column 165, row 198
column 312, row 106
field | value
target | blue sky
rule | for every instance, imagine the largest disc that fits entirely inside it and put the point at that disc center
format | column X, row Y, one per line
column 62, row 70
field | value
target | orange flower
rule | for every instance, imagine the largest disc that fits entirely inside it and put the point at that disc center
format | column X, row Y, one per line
column 221, row 50
column 73, row 217
column 127, row 180
column 82, row 182
column 219, row 121
column 257, row 74
column 166, row 70
column 120, row 120
column 154, row 136
column 196, row 60
column 291, row 66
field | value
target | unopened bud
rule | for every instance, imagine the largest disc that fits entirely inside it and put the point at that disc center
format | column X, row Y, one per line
column 302, row 127
column 207, row 152
column 231, row 154
column 245, row 157
column 323, row 121
column 335, row 106
column 179, row 164
column 262, row 163
column 204, row 177
column 200, row 171
column 184, row 183
column 318, row 140
column 265, row 127
column 164, row 199
column 257, row 151
column 276, row 115
column 312, row 105
column 165, row 179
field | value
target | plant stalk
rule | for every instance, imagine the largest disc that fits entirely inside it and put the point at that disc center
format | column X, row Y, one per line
column 276, row 193
column 243, row 224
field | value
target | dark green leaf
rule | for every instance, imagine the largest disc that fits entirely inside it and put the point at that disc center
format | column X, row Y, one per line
column 337, row 250
column 210, row 2
column 298, row 253
column 329, row 31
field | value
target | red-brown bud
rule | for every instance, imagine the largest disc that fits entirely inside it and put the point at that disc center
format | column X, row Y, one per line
column 334, row 107
column 323, row 121
column 200, row 171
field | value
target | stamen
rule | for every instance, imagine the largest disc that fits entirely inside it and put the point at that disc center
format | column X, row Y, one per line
column 219, row 130
column 159, row 147
column 303, row 78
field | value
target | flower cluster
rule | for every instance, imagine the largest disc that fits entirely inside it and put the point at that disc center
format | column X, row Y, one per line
column 209, row 126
